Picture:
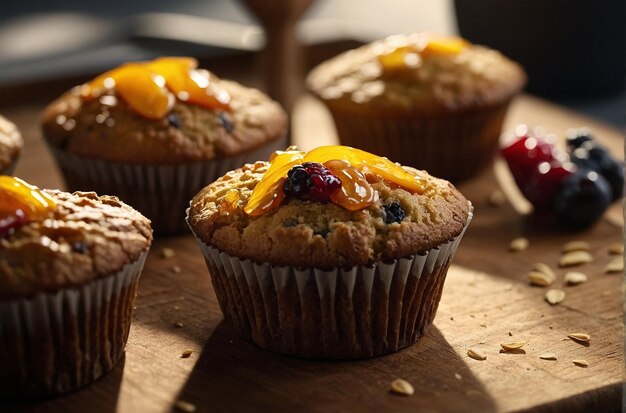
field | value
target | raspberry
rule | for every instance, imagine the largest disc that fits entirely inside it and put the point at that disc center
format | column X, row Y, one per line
column 523, row 156
column 311, row 181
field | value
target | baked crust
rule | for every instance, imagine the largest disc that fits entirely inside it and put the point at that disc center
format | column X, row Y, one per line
column 307, row 234
column 114, row 132
column 88, row 237
column 11, row 143
column 476, row 77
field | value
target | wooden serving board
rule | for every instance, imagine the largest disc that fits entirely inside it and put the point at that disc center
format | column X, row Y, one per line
column 486, row 301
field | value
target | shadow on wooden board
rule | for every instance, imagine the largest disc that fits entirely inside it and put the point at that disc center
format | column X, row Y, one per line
column 233, row 375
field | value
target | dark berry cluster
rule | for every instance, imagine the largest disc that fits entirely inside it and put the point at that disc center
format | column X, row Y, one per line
column 311, row 181
column 574, row 187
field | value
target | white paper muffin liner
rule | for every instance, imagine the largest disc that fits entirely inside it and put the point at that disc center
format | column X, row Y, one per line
column 160, row 192
column 343, row 313
column 57, row 342
column 453, row 147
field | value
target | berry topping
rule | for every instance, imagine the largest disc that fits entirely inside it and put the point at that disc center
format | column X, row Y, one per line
column 311, row 181
column 393, row 212
column 265, row 195
column 591, row 155
column 582, row 199
column 545, row 181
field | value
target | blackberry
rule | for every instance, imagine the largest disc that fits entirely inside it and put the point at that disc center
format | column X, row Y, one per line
column 227, row 124
column 393, row 212
column 576, row 137
column 311, row 181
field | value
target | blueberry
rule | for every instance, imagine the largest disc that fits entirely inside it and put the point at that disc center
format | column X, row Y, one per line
column 613, row 171
column 174, row 120
column 597, row 158
column 581, row 199
column 298, row 182
column 311, row 181
column 576, row 137
column 80, row 247
column 393, row 212
column 227, row 124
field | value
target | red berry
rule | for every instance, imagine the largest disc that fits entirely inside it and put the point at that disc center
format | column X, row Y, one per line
column 523, row 156
column 11, row 222
column 544, row 183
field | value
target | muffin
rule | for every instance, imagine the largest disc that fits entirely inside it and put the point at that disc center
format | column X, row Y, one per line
column 333, row 254
column 69, row 270
column 11, row 144
column 434, row 103
column 154, row 133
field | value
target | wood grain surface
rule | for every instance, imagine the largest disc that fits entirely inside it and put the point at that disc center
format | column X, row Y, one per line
column 486, row 301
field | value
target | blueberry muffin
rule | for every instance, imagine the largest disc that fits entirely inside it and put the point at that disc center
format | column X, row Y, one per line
column 69, row 270
column 334, row 253
column 11, row 144
column 153, row 133
column 432, row 102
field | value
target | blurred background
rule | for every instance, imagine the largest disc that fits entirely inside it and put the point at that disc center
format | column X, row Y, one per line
column 573, row 50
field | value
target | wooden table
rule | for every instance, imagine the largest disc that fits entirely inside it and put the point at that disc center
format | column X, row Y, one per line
column 486, row 301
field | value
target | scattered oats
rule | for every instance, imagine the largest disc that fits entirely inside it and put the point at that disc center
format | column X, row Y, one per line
column 616, row 265
column 513, row 345
column 476, row 355
column 576, row 246
column 582, row 337
column 616, row 249
column 519, row 244
column 497, row 198
column 539, row 278
column 176, row 269
column 554, row 296
column 575, row 258
column 402, row 387
column 184, row 406
column 178, row 324
column 134, row 307
column 548, row 356
column 176, row 307
column 186, row 354
column 167, row 253
column 544, row 268
column 581, row 363
column 574, row 277
column 458, row 376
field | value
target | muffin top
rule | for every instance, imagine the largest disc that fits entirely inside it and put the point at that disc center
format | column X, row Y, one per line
column 165, row 111
column 419, row 73
column 272, row 212
column 10, row 143
column 51, row 240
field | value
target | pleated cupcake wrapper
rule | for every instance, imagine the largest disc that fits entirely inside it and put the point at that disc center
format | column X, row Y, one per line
column 454, row 148
column 57, row 342
column 351, row 313
column 160, row 192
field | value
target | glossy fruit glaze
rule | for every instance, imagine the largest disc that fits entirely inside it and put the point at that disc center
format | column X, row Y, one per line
column 409, row 55
column 21, row 203
column 355, row 193
column 151, row 88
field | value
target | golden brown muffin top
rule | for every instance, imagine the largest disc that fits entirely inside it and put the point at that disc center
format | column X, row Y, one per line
column 87, row 237
column 10, row 143
column 416, row 73
column 107, row 129
column 309, row 234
